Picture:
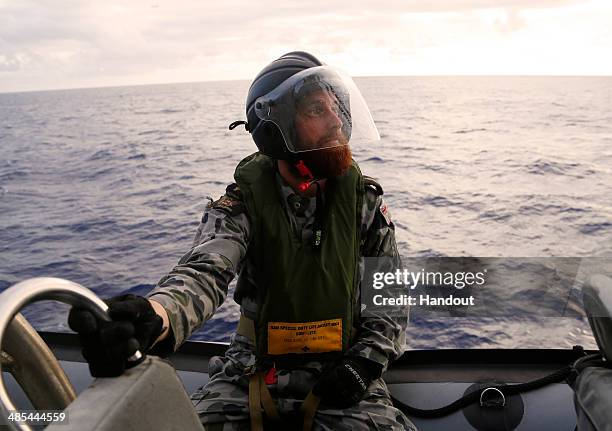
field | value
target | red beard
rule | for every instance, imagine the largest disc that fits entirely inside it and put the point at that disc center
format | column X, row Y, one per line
column 328, row 162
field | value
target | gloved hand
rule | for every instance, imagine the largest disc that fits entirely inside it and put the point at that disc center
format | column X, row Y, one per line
column 346, row 383
column 106, row 345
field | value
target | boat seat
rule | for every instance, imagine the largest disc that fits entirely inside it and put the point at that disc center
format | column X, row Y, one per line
column 147, row 397
column 597, row 299
column 593, row 387
column 593, row 399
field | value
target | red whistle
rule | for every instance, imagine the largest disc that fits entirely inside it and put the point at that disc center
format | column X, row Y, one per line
column 303, row 170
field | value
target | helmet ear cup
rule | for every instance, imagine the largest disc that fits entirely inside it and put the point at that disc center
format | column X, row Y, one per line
column 272, row 138
column 269, row 129
column 269, row 141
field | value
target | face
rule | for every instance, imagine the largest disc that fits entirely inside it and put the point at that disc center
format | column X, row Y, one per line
column 318, row 125
column 318, row 121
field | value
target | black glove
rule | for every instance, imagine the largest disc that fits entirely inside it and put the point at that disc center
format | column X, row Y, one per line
column 106, row 345
column 346, row 383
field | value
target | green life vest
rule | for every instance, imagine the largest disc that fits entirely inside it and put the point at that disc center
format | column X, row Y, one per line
column 305, row 294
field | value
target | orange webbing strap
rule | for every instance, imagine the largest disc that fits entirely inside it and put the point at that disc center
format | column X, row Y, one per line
column 267, row 402
column 246, row 328
column 309, row 409
column 255, row 403
column 259, row 396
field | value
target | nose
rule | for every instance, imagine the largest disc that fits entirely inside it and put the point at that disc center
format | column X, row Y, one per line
column 333, row 118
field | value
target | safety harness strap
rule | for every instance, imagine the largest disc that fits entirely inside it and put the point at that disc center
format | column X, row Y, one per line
column 246, row 328
column 259, row 396
column 309, row 409
column 267, row 402
column 255, row 404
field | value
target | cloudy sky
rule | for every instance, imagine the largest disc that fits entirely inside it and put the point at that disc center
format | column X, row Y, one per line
column 77, row 43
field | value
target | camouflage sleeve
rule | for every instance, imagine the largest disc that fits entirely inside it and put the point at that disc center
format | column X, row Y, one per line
column 198, row 284
column 380, row 339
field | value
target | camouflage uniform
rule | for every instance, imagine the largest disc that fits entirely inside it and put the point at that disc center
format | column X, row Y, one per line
column 194, row 289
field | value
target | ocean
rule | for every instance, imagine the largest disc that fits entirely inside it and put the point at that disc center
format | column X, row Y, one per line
column 106, row 186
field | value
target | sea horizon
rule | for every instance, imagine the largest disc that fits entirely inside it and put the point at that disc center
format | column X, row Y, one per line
column 212, row 81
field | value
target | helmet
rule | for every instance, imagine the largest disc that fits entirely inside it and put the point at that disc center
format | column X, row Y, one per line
column 316, row 99
column 266, row 135
column 296, row 104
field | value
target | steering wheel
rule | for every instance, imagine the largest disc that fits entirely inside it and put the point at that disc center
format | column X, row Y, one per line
column 26, row 356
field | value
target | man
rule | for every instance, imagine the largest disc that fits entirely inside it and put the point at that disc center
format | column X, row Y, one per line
column 295, row 226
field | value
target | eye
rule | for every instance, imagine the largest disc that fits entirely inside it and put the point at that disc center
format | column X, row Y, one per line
column 315, row 110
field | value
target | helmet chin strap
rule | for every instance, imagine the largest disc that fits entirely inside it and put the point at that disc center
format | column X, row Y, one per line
column 306, row 174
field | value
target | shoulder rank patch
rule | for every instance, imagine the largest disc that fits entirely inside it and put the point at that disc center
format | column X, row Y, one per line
column 371, row 184
column 231, row 202
column 233, row 191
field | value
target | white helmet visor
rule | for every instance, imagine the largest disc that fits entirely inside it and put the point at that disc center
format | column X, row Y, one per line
column 318, row 108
